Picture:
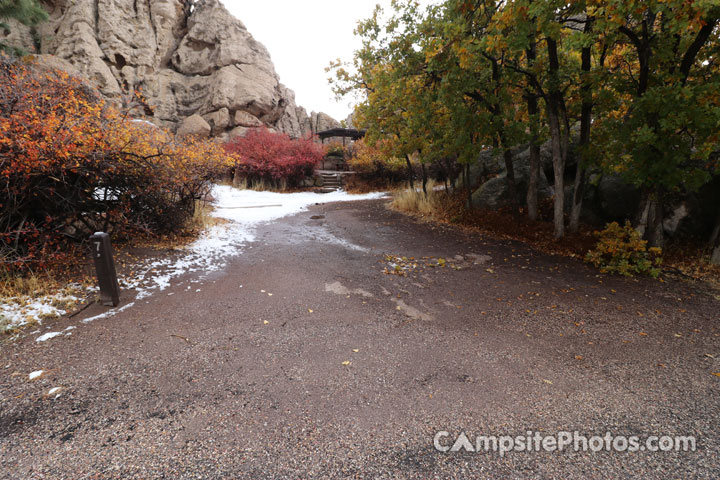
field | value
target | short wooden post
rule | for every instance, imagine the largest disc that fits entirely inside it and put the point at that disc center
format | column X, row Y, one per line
column 105, row 268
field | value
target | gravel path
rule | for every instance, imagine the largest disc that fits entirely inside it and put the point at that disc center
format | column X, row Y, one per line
column 344, row 340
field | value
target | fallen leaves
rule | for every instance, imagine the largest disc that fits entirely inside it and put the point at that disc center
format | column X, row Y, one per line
column 403, row 265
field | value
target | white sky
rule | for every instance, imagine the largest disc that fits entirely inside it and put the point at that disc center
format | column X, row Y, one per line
column 303, row 38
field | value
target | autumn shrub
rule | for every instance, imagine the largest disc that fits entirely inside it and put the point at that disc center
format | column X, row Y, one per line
column 371, row 164
column 273, row 158
column 335, row 149
column 622, row 250
column 71, row 164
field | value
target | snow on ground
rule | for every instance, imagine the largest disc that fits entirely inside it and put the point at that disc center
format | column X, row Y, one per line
column 244, row 210
column 16, row 312
column 47, row 336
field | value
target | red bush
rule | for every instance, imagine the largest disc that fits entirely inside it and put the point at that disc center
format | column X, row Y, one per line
column 274, row 157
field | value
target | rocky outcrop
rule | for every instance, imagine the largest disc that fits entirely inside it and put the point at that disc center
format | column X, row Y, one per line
column 187, row 58
column 322, row 121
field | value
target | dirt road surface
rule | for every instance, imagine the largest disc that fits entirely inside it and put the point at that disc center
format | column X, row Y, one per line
column 320, row 352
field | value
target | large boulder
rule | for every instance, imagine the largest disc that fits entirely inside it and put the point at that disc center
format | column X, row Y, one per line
column 187, row 59
column 195, row 126
column 495, row 193
column 219, row 120
column 247, row 120
column 615, row 198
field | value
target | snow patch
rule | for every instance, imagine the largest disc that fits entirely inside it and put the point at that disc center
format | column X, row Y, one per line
column 109, row 313
column 47, row 336
column 19, row 311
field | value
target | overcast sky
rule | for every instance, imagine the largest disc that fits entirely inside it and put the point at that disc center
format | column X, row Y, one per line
column 303, row 38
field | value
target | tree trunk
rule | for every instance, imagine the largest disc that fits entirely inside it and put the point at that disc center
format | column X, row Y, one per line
column 236, row 177
column 715, row 236
column 533, row 110
column 532, row 193
column 559, row 174
column 649, row 219
column 424, row 179
column 559, row 144
column 656, row 233
column 510, row 179
column 585, row 124
column 411, row 174
column 468, row 187
column 643, row 213
column 715, row 258
column 577, row 200
column 715, row 242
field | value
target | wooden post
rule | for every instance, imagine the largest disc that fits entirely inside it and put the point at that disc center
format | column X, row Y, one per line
column 105, row 267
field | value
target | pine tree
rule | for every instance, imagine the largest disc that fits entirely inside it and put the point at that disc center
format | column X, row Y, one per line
column 26, row 12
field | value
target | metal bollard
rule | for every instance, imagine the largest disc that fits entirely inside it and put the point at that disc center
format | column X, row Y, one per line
column 105, row 267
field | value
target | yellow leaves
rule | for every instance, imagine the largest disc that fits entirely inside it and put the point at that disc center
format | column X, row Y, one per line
column 346, row 363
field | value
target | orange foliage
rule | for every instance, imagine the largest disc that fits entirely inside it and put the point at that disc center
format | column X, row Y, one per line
column 70, row 164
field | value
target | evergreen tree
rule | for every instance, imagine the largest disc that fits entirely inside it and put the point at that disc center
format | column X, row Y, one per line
column 26, row 12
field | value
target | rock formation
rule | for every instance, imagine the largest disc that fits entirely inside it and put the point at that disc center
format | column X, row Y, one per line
column 189, row 59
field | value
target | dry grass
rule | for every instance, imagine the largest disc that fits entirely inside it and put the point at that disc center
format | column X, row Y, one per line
column 356, row 185
column 202, row 218
column 31, row 284
column 21, row 290
column 437, row 204
column 263, row 186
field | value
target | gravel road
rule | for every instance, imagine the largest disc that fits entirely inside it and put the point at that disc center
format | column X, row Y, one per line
column 344, row 340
